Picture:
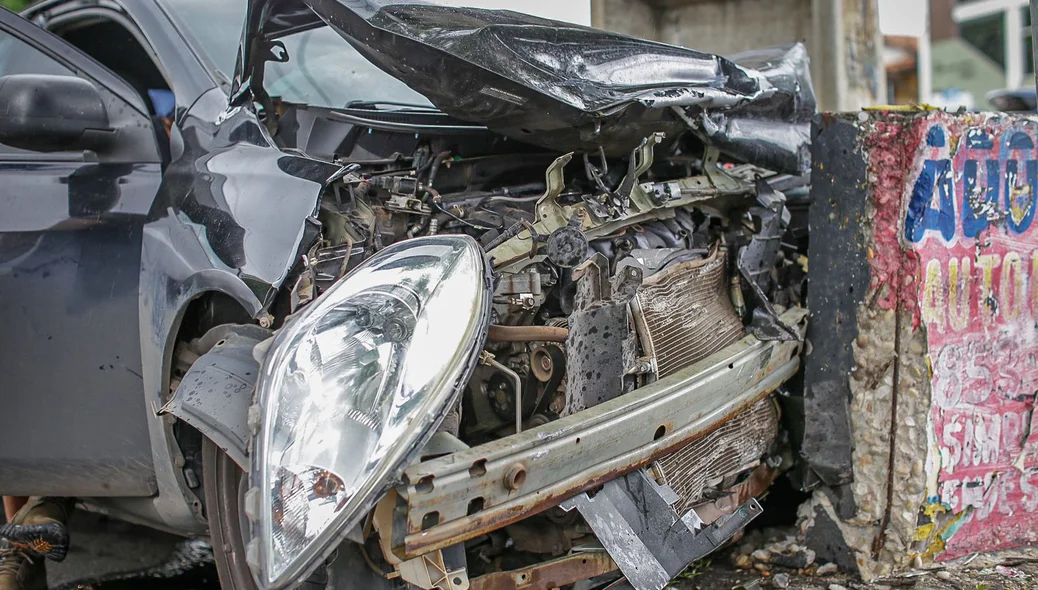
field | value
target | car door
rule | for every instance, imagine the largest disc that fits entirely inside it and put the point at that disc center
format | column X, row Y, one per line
column 72, row 416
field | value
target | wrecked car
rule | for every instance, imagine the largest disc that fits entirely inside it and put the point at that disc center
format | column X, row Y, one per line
column 456, row 298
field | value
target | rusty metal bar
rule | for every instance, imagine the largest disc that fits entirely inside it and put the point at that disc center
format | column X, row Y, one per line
column 485, row 488
column 552, row 574
column 526, row 334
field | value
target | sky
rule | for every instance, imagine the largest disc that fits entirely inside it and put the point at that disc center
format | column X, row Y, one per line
column 903, row 17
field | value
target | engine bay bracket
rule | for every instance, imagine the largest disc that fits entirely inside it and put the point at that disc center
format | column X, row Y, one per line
column 552, row 215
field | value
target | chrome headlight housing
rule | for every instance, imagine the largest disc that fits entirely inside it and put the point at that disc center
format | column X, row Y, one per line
column 352, row 389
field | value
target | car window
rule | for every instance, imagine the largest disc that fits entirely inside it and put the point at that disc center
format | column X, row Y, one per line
column 323, row 69
column 18, row 57
column 105, row 37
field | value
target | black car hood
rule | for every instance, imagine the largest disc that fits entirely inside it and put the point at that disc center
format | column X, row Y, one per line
column 569, row 87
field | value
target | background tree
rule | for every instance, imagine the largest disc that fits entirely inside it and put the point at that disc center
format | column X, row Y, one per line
column 14, row 4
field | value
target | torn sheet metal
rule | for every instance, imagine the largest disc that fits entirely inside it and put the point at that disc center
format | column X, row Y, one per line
column 566, row 86
column 215, row 394
column 757, row 259
column 756, row 262
column 633, row 518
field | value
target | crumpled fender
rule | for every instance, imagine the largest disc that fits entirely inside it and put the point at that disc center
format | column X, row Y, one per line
column 215, row 395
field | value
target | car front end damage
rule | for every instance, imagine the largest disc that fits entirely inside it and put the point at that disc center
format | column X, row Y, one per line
column 713, row 420
column 540, row 337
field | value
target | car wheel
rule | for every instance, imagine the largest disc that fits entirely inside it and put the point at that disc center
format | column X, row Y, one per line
column 225, row 486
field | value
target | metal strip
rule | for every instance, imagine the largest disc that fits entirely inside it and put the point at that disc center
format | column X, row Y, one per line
column 487, row 487
column 650, row 542
column 552, row 574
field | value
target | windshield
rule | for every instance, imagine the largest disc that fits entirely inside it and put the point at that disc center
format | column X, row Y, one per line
column 213, row 27
column 322, row 69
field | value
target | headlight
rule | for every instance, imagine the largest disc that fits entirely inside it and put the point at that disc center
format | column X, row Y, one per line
column 353, row 388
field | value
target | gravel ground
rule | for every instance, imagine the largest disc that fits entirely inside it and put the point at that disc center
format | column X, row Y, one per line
column 757, row 561
column 721, row 576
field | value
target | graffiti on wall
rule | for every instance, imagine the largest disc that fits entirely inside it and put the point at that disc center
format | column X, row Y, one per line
column 970, row 220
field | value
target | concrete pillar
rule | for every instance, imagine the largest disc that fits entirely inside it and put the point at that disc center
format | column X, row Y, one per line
column 922, row 332
column 630, row 17
column 842, row 36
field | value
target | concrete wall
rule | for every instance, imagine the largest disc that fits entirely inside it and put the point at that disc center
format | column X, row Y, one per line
column 842, row 36
column 630, row 17
column 941, row 377
column 729, row 27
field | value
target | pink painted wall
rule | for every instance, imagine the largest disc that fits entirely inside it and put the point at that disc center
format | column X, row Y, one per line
column 967, row 223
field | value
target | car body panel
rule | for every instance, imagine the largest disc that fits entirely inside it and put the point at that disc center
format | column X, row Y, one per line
column 69, row 271
column 228, row 214
column 564, row 86
column 70, row 231
column 232, row 217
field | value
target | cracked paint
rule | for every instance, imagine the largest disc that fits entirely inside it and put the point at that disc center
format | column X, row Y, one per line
column 943, row 386
column 970, row 222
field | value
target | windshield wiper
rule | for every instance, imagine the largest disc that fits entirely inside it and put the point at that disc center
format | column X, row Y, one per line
column 406, row 127
column 375, row 104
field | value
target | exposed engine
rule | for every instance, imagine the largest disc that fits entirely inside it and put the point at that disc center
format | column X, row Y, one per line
column 610, row 274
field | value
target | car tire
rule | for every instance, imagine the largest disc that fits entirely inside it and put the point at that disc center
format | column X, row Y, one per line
column 225, row 484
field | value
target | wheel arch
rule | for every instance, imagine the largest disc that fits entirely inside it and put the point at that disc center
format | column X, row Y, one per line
column 210, row 372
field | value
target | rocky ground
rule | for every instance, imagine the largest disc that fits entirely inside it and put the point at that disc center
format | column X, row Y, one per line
column 771, row 559
column 723, row 576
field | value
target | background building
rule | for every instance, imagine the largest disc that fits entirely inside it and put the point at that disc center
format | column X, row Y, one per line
column 574, row 11
column 962, row 49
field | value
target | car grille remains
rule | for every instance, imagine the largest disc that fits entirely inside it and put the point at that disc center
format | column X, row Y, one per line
column 684, row 313
column 736, row 444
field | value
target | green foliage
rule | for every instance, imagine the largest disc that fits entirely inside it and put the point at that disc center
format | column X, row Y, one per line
column 697, row 568
column 15, row 5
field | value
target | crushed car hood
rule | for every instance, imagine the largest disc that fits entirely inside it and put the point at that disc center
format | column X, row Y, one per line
column 569, row 87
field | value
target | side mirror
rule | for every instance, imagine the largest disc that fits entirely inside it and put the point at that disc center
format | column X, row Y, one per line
column 52, row 113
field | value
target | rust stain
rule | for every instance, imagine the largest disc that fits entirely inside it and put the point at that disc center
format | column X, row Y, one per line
column 552, row 574
column 495, row 517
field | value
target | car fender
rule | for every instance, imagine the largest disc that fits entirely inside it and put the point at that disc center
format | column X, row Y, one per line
column 233, row 215
column 215, row 394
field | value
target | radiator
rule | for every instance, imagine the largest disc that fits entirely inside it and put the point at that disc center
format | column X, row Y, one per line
column 684, row 314
column 736, row 444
